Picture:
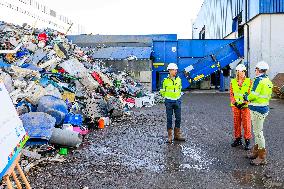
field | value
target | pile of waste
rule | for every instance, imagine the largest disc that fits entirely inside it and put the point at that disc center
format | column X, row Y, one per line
column 278, row 85
column 59, row 92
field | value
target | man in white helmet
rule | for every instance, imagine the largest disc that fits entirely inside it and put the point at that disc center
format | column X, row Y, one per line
column 259, row 106
column 241, row 113
column 171, row 90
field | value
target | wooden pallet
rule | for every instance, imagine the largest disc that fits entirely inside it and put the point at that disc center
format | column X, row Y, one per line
column 11, row 172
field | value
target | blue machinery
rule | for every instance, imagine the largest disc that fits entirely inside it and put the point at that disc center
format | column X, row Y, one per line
column 201, row 57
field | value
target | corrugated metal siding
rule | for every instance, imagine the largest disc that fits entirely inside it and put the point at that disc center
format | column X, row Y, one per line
column 199, row 48
column 253, row 7
column 217, row 15
column 271, row 6
column 119, row 40
column 119, row 53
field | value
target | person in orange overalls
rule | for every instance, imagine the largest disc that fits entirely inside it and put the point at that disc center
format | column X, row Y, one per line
column 241, row 113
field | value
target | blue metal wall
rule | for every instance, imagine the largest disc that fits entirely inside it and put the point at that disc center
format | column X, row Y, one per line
column 256, row 7
column 271, row 6
column 164, row 52
column 218, row 15
column 198, row 48
column 184, row 52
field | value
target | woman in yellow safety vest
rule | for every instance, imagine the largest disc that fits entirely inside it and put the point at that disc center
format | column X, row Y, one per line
column 241, row 114
column 259, row 106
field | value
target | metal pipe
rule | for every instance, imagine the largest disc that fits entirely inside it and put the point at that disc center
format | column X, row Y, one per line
column 248, row 39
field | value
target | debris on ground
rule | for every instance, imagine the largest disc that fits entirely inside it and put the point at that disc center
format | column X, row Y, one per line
column 278, row 83
column 59, row 92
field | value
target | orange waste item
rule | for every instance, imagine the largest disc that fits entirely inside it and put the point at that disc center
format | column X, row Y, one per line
column 101, row 123
column 10, row 57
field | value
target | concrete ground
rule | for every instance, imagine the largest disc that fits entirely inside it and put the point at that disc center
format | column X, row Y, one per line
column 133, row 153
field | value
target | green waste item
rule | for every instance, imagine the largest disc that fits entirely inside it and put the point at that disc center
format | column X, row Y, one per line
column 139, row 94
column 117, row 83
column 71, row 77
column 63, row 151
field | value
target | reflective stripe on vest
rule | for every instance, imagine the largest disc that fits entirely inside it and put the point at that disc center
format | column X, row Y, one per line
column 260, row 96
column 256, row 104
column 238, row 91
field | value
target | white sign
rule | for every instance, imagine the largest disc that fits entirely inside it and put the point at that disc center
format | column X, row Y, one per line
column 12, row 133
column 174, row 49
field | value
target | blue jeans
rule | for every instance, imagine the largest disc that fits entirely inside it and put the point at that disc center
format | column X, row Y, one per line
column 173, row 106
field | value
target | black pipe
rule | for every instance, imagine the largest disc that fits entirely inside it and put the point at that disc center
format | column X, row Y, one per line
column 248, row 39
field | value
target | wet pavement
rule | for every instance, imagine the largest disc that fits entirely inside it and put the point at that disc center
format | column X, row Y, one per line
column 133, row 153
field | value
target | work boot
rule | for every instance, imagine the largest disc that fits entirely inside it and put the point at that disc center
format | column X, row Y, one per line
column 253, row 153
column 170, row 136
column 178, row 135
column 261, row 158
column 237, row 142
column 247, row 143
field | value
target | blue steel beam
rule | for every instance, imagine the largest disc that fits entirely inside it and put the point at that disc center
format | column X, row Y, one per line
column 220, row 59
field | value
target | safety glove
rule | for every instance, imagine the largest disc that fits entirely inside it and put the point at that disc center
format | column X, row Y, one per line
column 236, row 104
column 241, row 106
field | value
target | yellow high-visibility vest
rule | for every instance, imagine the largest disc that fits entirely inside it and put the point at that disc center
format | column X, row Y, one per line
column 171, row 88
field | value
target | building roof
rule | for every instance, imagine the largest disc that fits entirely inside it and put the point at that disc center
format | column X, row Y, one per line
column 119, row 53
column 119, row 40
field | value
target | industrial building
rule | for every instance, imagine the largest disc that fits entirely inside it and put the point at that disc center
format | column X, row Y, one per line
column 94, row 41
column 261, row 22
column 207, row 56
column 128, row 53
column 136, row 61
column 37, row 15
column 224, row 34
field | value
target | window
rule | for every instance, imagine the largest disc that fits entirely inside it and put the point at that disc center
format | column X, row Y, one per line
column 202, row 33
column 237, row 25
column 240, row 26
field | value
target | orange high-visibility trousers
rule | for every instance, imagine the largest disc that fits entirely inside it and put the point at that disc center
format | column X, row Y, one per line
column 242, row 118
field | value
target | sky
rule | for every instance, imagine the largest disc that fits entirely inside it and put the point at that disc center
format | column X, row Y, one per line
column 130, row 17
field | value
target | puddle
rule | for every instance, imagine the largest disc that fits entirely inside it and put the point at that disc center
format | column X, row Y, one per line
column 247, row 178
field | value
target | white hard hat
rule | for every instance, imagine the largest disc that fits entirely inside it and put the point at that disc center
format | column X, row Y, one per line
column 262, row 65
column 241, row 67
column 172, row 66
